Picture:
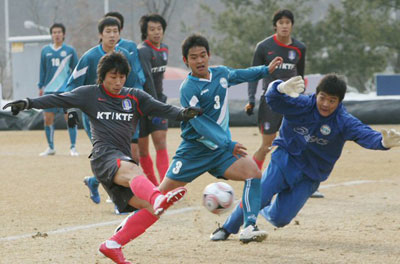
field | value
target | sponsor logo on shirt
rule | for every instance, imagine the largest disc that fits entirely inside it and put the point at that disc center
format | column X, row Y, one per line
column 325, row 130
column 101, row 99
column 223, row 82
column 292, row 55
column 270, row 52
column 308, row 138
column 63, row 53
column 286, row 66
column 49, row 54
column 126, row 104
column 159, row 69
column 114, row 116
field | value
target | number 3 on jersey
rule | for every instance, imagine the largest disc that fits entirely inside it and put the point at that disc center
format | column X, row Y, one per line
column 217, row 104
column 177, row 168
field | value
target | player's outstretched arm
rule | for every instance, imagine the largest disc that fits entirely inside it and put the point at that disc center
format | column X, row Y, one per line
column 292, row 87
column 390, row 138
column 191, row 112
column 274, row 64
column 17, row 106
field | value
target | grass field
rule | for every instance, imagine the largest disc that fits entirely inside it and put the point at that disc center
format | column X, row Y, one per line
column 47, row 216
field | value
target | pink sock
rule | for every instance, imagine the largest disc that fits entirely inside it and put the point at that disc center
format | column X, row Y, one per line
column 134, row 227
column 144, row 189
column 258, row 162
column 162, row 163
column 147, row 165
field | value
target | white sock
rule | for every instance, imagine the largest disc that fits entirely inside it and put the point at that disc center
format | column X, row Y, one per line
column 112, row 244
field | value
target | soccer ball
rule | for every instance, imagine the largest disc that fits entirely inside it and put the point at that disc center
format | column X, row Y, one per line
column 218, row 197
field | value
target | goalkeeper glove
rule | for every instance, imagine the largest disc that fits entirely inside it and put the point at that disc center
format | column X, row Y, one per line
column 292, row 87
column 191, row 112
column 17, row 106
column 390, row 138
column 73, row 118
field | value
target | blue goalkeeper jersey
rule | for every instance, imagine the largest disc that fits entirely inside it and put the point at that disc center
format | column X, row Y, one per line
column 212, row 128
column 314, row 142
column 85, row 73
column 56, row 66
column 131, row 47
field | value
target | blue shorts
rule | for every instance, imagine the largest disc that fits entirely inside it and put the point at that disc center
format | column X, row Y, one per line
column 193, row 159
column 54, row 110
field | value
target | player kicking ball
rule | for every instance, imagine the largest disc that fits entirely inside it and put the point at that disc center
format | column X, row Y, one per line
column 113, row 111
column 311, row 139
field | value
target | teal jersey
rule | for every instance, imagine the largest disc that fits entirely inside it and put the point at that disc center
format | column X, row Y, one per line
column 137, row 69
column 56, row 66
column 85, row 73
column 212, row 128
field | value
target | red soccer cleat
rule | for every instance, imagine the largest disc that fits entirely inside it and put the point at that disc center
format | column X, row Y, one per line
column 115, row 254
column 163, row 202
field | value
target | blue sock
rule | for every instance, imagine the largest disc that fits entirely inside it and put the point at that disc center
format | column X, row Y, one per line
column 49, row 130
column 86, row 125
column 72, row 135
column 235, row 220
column 94, row 181
column 251, row 201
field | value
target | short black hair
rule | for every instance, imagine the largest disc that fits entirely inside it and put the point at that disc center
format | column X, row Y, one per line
column 144, row 20
column 117, row 15
column 107, row 22
column 282, row 13
column 110, row 62
column 57, row 25
column 333, row 85
column 194, row 40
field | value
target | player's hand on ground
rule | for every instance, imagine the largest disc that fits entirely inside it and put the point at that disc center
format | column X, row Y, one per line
column 191, row 112
column 249, row 108
column 239, row 150
column 274, row 64
column 390, row 138
column 292, row 87
column 73, row 118
column 17, row 106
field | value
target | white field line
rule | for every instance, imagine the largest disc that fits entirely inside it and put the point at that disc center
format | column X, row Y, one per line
column 170, row 212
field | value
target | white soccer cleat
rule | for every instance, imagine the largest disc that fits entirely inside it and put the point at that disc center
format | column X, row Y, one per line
column 252, row 234
column 163, row 202
column 73, row 152
column 48, row 152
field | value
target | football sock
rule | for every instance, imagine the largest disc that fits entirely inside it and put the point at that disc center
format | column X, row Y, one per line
column 235, row 220
column 258, row 162
column 72, row 135
column 93, row 181
column 86, row 125
column 162, row 163
column 147, row 165
column 49, row 130
column 251, row 201
column 135, row 225
column 144, row 189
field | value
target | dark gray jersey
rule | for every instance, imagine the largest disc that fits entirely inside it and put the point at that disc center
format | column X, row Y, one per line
column 113, row 118
column 154, row 62
column 293, row 61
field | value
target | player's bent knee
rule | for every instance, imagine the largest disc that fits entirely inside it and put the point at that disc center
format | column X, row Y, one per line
column 279, row 221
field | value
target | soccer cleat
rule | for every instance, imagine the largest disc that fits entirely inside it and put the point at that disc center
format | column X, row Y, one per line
column 48, row 152
column 252, row 234
column 93, row 188
column 115, row 254
column 163, row 202
column 73, row 152
column 317, row 194
column 219, row 234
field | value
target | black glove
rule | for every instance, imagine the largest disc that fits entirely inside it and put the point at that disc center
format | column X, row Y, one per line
column 249, row 108
column 73, row 118
column 17, row 106
column 191, row 112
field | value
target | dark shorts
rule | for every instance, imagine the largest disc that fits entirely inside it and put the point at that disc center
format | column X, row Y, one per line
column 105, row 163
column 148, row 126
column 269, row 121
